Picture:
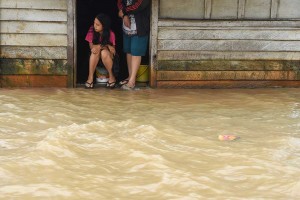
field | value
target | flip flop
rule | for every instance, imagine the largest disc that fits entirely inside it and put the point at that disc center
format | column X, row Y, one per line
column 111, row 85
column 126, row 87
column 89, row 85
column 121, row 83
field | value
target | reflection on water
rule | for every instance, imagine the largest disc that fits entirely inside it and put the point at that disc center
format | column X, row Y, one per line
column 149, row 144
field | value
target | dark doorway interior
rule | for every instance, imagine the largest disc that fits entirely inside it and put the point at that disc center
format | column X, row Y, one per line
column 86, row 12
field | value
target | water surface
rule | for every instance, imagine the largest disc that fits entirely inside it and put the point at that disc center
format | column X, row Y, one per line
column 149, row 144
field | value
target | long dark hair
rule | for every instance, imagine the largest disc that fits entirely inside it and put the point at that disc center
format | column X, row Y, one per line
column 105, row 36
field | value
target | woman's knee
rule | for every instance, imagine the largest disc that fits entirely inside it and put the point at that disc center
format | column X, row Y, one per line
column 105, row 54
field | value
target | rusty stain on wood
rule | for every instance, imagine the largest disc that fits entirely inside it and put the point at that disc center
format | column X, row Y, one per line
column 35, row 66
column 227, row 84
column 33, row 81
column 228, row 65
column 226, row 75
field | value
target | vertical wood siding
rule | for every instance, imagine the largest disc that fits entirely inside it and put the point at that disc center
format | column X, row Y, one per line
column 33, row 42
column 230, row 51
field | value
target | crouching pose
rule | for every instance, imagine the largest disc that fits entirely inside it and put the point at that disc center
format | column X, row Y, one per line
column 102, row 45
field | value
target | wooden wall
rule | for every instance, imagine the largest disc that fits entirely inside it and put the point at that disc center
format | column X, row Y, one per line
column 34, row 43
column 226, row 43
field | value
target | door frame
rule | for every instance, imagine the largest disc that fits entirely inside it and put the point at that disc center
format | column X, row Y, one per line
column 72, row 43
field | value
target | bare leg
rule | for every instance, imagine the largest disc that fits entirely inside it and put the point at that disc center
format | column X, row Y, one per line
column 106, row 58
column 135, row 64
column 94, row 59
column 129, row 61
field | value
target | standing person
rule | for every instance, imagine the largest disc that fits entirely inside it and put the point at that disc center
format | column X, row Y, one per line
column 136, row 29
column 102, row 44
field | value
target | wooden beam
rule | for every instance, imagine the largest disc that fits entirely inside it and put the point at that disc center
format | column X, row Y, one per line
column 38, row 40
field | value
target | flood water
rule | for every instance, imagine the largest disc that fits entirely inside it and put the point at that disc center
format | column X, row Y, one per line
column 149, row 144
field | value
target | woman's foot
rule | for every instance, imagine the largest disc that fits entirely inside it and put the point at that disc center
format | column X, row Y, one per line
column 125, row 81
column 89, row 85
column 128, row 86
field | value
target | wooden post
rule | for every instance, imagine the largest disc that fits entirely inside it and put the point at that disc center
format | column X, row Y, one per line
column 153, row 42
column 71, row 29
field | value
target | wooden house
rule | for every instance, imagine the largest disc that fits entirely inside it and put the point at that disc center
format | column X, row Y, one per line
column 194, row 43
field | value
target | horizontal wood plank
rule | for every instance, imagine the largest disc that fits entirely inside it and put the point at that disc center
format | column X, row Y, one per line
column 33, row 15
column 228, row 45
column 226, row 75
column 33, row 81
column 33, row 27
column 43, row 40
column 55, row 53
column 227, row 23
column 34, row 4
column 200, row 34
column 223, row 55
column 228, row 65
column 227, row 84
column 28, row 66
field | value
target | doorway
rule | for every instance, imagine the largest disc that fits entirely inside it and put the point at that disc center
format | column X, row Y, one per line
column 86, row 11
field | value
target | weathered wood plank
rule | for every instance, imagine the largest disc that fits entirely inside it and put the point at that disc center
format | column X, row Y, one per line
column 225, row 65
column 228, row 45
column 34, row 4
column 226, row 75
column 33, row 81
column 33, row 27
column 178, row 9
column 257, row 9
column 33, row 40
column 184, row 34
column 227, row 23
column 225, row 9
column 33, row 52
column 288, row 9
column 33, row 15
column 226, row 84
column 36, row 66
column 220, row 55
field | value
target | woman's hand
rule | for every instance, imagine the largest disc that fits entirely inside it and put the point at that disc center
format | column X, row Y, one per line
column 126, row 21
column 125, row 18
column 96, row 49
column 112, row 49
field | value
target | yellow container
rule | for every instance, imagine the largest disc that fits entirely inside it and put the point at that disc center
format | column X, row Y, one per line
column 143, row 74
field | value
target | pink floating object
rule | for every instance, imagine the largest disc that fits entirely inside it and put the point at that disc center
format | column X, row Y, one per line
column 227, row 137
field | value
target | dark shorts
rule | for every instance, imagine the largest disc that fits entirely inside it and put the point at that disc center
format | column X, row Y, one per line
column 135, row 45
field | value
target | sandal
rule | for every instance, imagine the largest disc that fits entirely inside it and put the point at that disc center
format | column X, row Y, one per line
column 111, row 85
column 89, row 85
column 121, row 83
column 127, row 87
